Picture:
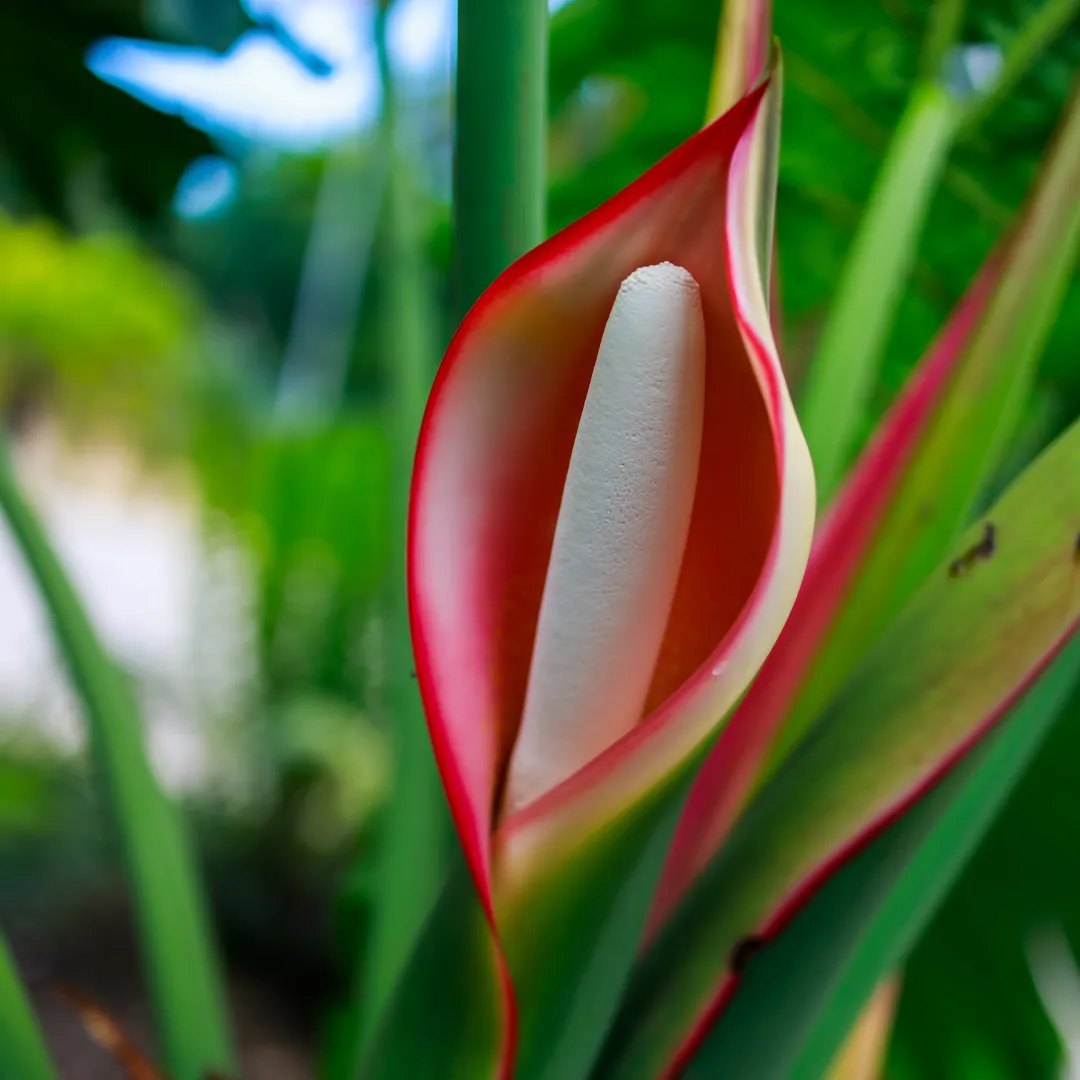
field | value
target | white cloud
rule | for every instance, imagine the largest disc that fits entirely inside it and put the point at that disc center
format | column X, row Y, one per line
column 421, row 36
column 260, row 91
column 338, row 31
column 257, row 90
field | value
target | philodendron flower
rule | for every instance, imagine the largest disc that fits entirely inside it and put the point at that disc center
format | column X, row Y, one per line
column 611, row 513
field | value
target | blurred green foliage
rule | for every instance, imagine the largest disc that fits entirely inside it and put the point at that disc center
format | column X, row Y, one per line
column 71, row 143
column 96, row 328
column 970, row 1007
column 848, row 66
column 312, row 505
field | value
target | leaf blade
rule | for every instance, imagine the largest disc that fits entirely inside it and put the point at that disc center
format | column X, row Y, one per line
column 970, row 646
column 22, row 1045
column 902, row 505
column 454, row 984
column 841, row 374
column 173, row 926
column 918, row 859
column 969, row 429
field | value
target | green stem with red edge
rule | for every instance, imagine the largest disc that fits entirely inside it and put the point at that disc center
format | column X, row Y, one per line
column 742, row 53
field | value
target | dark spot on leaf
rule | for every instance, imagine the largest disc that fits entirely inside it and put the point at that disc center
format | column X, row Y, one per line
column 984, row 549
column 743, row 951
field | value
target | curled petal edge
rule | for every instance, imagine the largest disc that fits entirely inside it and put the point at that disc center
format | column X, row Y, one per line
column 654, row 750
column 669, row 737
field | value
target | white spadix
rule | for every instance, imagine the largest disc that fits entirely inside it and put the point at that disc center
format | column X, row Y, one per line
column 620, row 535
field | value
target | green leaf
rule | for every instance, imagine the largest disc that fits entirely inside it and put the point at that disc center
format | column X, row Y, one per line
column 802, row 994
column 412, row 851
column 971, row 640
column 845, row 366
column 594, row 904
column 22, row 1047
column 173, row 926
column 970, row 428
column 862, row 1056
column 968, row 989
column 445, row 1018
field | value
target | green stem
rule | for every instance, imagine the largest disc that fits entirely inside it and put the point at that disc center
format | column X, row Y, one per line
column 499, row 197
column 500, row 138
column 842, row 374
column 412, row 844
column 174, row 932
column 22, row 1046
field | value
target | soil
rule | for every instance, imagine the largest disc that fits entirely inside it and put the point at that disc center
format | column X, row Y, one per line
column 95, row 954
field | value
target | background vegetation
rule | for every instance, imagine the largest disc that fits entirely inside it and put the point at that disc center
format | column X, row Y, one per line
column 189, row 343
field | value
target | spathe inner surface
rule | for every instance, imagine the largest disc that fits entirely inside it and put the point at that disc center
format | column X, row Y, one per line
column 494, row 464
column 621, row 533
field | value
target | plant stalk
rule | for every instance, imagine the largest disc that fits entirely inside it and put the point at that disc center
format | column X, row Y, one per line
column 500, row 138
column 413, row 841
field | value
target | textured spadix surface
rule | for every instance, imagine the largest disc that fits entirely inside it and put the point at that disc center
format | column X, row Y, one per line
column 492, row 466
column 620, row 535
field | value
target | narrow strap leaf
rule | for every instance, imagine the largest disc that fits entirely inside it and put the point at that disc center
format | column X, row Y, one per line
column 799, row 1000
column 742, row 53
column 845, row 366
column 412, row 853
column 903, row 504
column 862, row 1057
column 22, row 1046
column 173, row 926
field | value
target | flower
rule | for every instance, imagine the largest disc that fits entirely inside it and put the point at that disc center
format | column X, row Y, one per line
column 603, row 551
